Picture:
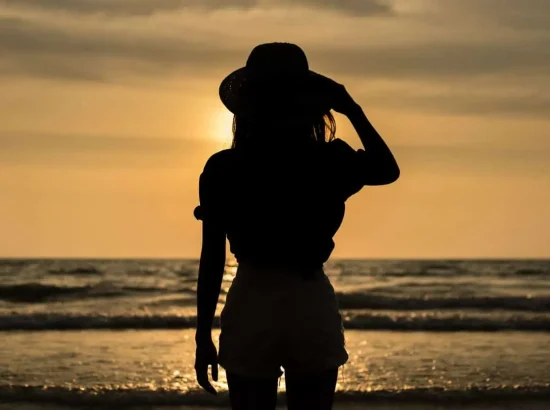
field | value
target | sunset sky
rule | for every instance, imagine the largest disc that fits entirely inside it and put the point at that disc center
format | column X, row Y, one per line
column 109, row 110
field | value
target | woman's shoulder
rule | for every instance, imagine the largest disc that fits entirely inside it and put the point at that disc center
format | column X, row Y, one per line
column 219, row 161
column 340, row 151
column 339, row 145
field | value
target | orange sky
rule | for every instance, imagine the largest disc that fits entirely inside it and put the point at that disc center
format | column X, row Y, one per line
column 109, row 110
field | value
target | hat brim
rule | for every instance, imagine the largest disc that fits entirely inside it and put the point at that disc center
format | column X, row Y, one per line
column 310, row 97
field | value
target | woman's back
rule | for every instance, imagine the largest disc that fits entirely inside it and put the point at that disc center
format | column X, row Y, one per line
column 281, row 206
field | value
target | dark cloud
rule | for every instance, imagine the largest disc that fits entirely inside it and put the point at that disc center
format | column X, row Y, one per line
column 97, row 151
column 523, row 14
column 128, row 7
column 453, row 59
column 87, row 143
column 42, row 49
column 31, row 48
column 461, row 100
column 35, row 49
column 350, row 7
column 23, row 36
column 148, row 7
column 535, row 105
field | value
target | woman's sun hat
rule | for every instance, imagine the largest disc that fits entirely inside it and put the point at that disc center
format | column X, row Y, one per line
column 276, row 78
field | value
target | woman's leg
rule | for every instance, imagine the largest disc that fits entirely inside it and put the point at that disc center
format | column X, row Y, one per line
column 310, row 391
column 248, row 393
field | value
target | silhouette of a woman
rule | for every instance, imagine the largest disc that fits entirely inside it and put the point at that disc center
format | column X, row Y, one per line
column 278, row 195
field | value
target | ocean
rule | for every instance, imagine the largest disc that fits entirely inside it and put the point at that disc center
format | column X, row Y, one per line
column 426, row 334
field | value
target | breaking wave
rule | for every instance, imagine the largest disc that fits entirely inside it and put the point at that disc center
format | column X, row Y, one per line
column 374, row 301
column 457, row 322
column 39, row 292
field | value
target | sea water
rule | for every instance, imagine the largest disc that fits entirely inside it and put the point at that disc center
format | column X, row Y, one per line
column 121, row 332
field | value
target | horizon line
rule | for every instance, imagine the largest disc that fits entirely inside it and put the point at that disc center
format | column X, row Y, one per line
column 145, row 258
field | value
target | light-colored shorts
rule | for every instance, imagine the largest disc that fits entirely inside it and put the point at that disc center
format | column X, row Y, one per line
column 275, row 317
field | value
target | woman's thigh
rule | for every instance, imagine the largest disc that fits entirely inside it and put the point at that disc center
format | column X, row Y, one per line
column 310, row 391
column 250, row 393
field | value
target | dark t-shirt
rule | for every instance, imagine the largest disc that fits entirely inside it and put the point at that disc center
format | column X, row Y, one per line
column 280, row 207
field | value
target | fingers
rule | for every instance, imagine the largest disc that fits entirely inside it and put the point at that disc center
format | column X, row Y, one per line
column 202, row 379
column 215, row 371
column 206, row 356
column 208, row 387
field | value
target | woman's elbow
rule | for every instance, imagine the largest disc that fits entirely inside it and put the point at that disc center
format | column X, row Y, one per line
column 393, row 174
column 388, row 176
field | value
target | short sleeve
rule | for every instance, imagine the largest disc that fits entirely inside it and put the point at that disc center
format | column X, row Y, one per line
column 347, row 167
column 211, row 194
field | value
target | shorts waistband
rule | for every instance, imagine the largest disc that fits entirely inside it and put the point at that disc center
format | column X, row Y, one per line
column 255, row 270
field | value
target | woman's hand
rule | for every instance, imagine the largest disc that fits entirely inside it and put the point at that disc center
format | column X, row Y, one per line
column 340, row 100
column 206, row 355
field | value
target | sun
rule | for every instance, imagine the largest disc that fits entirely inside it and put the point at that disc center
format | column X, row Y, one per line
column 221, row 122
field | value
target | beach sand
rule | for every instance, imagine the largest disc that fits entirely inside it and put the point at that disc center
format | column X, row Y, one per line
column 530, row 405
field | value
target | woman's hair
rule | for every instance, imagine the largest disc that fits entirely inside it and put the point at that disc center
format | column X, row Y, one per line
column 320, row 128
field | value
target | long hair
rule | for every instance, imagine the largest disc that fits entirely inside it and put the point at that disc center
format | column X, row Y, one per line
column 320, row 128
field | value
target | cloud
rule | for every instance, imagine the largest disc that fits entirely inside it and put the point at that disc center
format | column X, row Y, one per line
column 454, row 59
column 92, row 151
column 69, row 144
column 525, row 14
column 350, row 7
column 128, row 7
column 41, row 49
column 148, row 7
column 462, row 99
column 120, row 50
